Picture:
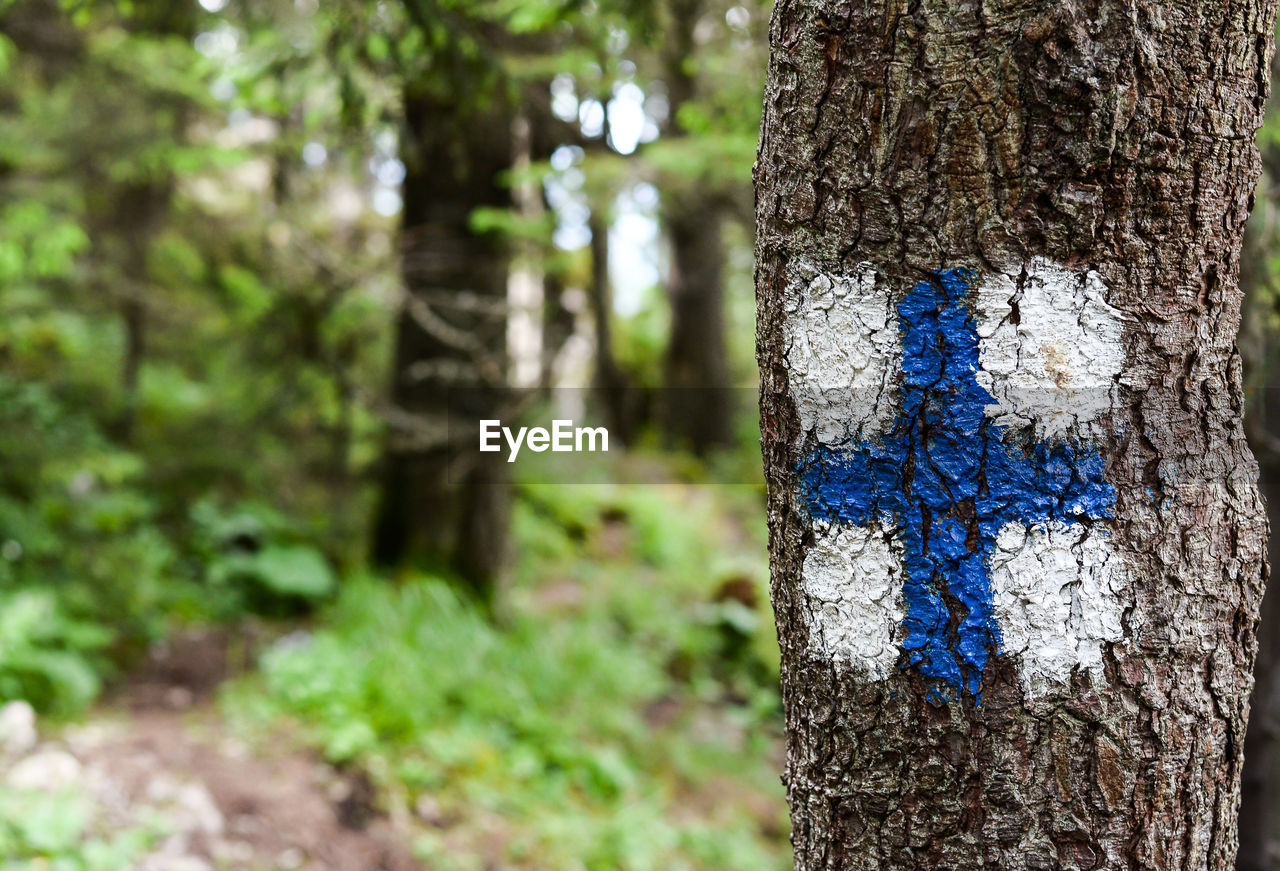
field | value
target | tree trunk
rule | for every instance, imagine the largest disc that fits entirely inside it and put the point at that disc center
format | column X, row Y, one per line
column 136, row 214
column 547, row 133
column 1258, row 800
column 450, row 356
column 609, row 382
column 1015, row 533
column 1259, row 812
column 695, row 404
column 696, row 400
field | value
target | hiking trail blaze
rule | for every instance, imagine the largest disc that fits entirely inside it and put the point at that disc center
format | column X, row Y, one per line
column 957, row 498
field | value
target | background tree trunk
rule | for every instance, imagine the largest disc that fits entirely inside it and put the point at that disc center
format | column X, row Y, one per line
column 696, row 400
column 1099, row 145
column 1259, row 812
column 1258, row 800
column 609, row 382
column 695, row 404
column 133, row 216
column 450, row 347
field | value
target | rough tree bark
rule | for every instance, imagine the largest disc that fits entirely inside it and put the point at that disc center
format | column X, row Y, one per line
column 440, row 507
column 1016, row 539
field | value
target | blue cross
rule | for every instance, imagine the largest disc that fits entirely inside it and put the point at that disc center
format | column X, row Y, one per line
column 948, row 478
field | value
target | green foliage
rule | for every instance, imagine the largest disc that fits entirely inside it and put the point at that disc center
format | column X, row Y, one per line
column 125, row 230
column 641, row 340
column 47, row 657
column 77, row 543
column 402, row 663
column 56, row 830
column 258, row 560
column 195, row 329
column 284, row 572
column 638, row 552
column 544, row 717
column 710, row 161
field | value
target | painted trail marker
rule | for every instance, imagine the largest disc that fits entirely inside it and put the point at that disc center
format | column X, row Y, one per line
column 959, row 507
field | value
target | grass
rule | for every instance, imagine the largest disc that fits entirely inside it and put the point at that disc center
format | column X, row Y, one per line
column 619, row 714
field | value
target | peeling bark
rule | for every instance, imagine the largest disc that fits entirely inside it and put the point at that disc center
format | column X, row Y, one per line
column 943, row 148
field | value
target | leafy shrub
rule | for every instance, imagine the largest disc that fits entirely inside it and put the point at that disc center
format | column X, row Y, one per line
column 254, row 556
column 82, row 560
column 404, row 662
column 46, row 657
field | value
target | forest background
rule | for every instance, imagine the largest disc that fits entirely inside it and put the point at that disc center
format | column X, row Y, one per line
column 252, row 253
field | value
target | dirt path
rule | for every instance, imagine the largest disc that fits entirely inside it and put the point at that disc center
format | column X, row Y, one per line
column 158, row 758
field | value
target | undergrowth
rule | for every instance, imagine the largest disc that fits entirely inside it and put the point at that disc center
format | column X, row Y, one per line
column 63, row 831
column 618, row 713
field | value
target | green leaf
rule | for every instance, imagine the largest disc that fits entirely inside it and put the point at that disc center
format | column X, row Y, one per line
column 294, row 570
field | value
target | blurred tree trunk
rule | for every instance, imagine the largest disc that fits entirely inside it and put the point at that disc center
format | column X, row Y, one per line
column 129, row 215
column 695, row 403
column 439, row 508
column 1260, row 786
column 547, row 133
column 609, row 382
column 525, row 286
column 696, row 400
column 39, row 29
column 557, row 326
column 1107, row 145
column 124, row 216
column 125, row 223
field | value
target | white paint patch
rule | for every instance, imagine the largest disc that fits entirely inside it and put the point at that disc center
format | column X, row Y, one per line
column 1059, row 595
column 1054, row 369
column 843, row 353
column 852, row 581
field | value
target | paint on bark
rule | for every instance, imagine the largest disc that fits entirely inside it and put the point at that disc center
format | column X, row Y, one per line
column 947, row 478
column 1053, row 368
column 853, row 586
column 1060, row 592
column 1092, row 162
